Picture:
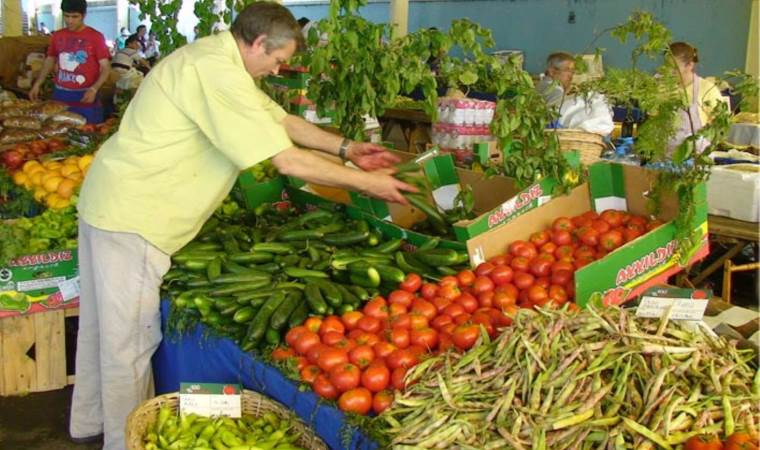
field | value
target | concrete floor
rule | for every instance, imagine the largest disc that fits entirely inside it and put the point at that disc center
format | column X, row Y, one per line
column 38, row 422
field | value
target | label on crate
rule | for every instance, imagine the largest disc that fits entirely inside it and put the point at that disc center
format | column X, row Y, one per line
column 210, row 399
column 680, row 308
column 69, row 289
column 33, row 285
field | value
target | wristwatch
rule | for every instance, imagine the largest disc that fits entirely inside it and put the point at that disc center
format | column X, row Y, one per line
column 343, row 151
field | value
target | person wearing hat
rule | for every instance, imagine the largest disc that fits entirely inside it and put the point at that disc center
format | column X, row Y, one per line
column 83, row 63
column 196, row 121
column 121, row 41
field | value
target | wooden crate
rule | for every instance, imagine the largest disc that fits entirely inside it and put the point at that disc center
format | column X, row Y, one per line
column 33, row 352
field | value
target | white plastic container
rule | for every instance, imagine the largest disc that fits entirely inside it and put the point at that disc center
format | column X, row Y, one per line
column 734, row 191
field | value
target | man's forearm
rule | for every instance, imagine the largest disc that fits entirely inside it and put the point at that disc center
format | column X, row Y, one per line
column 102, row 77
column 47, row 66
column 309, row 135
column 312, row 168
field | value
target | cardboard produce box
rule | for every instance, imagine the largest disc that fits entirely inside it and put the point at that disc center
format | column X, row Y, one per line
column 632, row 268
column 39, row 282
column 497, row 199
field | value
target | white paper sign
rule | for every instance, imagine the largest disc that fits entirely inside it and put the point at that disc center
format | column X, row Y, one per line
column 69, row 288
column 206, row 400
column 683, row 308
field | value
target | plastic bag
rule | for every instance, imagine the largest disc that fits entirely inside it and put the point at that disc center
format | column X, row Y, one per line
column 13, row 111
column 594, row 116
column 47, row 109
column 52, row 129
column 69, row 117
column 28, row 123
column 17, row 135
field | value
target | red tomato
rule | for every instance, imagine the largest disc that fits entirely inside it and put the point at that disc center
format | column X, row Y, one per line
column 425, row 337
column 454, row 309
column 584, row 251
column 562, row 237
column 486, row 299
column 557, row 294
column 703, row 442
column 580, row 222
column 369, row 324
column 361, row 355
column 382, row 401
column 654, row 224
column 549, row 247
column 295, row 333
column 282, row 353
column 500, row 260
column 310, row 373
column 741, row 441
column 449, row 280
column 396, row 309
column 502, row 300
column 345, row 377
column 517, row 248
column 501, row 318
column 502, row 275
column 397, row 378
column 399, row 337
column 583, row 261
column 445, row 342
column 440, row 321
column 611, row 240
column 313, row 324
column 417, row 350
column 331, row 357
column 631, row 233
column 331, row 338
column 449, row 292
column 401, row 321
column 331, row 323
column 523, row 280
column 417, row 321
column 466, row 278
column 377, row 308
column 324, row 388
column 424, row 308
column 538, row 294
column 440, row 303
column 588, row 236
column 561, row 277
column 305, row 342
column 484, row 268
column 401, row 358
column 447, row 329
column 358, row 401
column 482, row 284
column 464, row 336
column 462, row 318
column 562, row 224
column 545, row 257
column 601, row 226
column 350, row 319
column 412, row 283
column 612, row 217
column 429, row 291
column 382, row 349
column 520, row 264
column 563, row 251
column 562, row 265
column 468, row 301
column 539, row 238
column 312, row 356
column 401, row 297
column 376, row 378
column 540, row 268
column 364, row 338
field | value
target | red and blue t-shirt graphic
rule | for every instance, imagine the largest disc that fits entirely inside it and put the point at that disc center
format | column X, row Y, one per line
column 77, row 54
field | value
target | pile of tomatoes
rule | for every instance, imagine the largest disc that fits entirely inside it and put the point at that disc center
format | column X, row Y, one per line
column 737, row 441
column 15, row 157
column 540, row 271
column 361, row 356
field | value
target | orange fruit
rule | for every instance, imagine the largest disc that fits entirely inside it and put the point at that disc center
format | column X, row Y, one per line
column 77, row 177
column 52, row 165
column 20, row 177
column 37, row 178
column 66, row 188
column 68, row 169
column 31, row 166
column 51, row 183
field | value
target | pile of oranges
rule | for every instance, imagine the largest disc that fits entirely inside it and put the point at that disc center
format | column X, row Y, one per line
column 53, row 182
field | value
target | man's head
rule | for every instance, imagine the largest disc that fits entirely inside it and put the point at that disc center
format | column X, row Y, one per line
column 686, row 58
column 73, row 14
column 560, row 66
column 124, row 31
column 132, row 42
column 141, row 30
column 267, row 35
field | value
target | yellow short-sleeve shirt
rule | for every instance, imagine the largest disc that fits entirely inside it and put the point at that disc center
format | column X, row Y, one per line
column 195, row 122
column 708, row 96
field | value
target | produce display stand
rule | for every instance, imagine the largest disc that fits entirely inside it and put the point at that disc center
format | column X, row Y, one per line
column 199, row 357
column 33, row 352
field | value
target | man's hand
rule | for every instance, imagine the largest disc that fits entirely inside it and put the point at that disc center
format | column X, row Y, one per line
column 34, row 92
column 385, row 187
column 368, row 156
column 89, row 95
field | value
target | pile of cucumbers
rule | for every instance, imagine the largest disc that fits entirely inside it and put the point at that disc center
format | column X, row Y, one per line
column 255, row 277
column 191, row 431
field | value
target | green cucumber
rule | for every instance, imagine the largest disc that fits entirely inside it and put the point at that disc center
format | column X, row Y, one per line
column 270, row 267
column 258, row 325
column 272, row 337
column 245, row 297
column 214, row 268
column 280, row 317
column 290, row 285
column 333, row 227
column 407, row 266
column 369, row 279
column 200, row 247
column 240, row 287
column 198, row 282
column 374, row 238
column 435, row 217
column 206, row 255
column 299, row 315
column 359, row 292
column 444, row 270
column 410, row 166
column 244, row 314
column 347, row 238
column 330, row 291
column 389, row 273
column 389, row 247
column 299, row 235
column 316, row 215
column 196, row 265
column 248, row 277
column 438, row 256
column 251, row 257
column 296, row 272
column 230, row 245
column 344, row 308
column 233, row 267
column 223, row 303
column 278, row 248
column 348, row 296
column 430, row 244
column 314, row 298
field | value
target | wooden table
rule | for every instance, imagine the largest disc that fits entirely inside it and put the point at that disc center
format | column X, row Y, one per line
column 414, row 124
column 737, row 235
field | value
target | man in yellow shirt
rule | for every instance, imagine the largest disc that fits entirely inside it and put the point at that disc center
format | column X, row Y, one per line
column 195, row 122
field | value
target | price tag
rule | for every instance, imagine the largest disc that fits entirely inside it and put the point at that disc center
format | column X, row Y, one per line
column 210, row 399
column 69, row 288
column 682, row 308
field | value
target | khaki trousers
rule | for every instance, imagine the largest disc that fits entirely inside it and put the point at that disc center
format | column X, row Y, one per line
column 119, row 329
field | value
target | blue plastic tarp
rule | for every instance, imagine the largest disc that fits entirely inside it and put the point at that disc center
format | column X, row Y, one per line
column 196, row 357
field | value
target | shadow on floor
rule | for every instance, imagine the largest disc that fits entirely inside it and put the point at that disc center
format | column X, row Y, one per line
column 38, row 422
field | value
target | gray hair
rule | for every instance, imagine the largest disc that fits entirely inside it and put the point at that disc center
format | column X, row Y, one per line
column 271, row 19
column 556, row 59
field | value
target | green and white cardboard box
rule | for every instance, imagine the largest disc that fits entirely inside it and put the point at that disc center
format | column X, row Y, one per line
column 497, row 199
column 257, row 192
column 632, row 268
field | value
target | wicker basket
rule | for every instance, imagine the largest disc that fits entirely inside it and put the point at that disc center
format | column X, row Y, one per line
column 589, row 145
column 253, row 404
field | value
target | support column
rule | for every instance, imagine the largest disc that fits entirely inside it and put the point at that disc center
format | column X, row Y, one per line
column 752, row 63
column 400, row 17
column 12, row 17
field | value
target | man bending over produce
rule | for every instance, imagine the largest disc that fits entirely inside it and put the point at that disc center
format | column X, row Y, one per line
column 196, row 121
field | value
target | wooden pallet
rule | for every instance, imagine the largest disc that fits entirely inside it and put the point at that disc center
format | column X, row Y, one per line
column 33, row 352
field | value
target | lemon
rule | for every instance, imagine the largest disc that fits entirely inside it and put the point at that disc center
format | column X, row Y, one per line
column 20, row 177
column 68, row 169
column 51, row 184
column 77, row 177
column 62, row 203
column 30, row 165
column 52, row 165
column 37, row 178
column 52, row 200
column 66, row 188
column 40, row 194
column 84, row 162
